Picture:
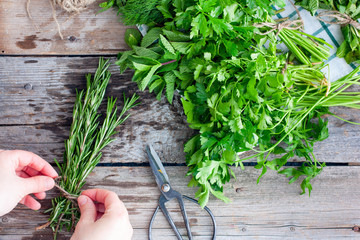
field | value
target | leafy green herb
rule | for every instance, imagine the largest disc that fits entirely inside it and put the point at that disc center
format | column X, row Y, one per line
column 239, row 90
column 137, row 11
column 86, row 140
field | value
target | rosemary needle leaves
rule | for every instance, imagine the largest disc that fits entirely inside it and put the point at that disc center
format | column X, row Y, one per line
column 83, row 148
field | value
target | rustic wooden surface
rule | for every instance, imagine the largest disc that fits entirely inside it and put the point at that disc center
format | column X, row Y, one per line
column 271, row 210
column 84, row 33
column 39, row 73
column 42, row 90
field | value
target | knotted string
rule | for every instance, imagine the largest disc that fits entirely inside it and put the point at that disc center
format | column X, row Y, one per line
column 70, row 6
column 341, row 18
column 74, row 5
column 288, row 24
column 64, row 193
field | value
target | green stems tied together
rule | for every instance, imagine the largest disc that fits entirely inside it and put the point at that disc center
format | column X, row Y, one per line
column 241, row 91
column 86, row 140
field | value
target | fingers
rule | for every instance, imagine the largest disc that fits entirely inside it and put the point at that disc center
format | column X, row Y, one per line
column 113, row 205
column 31, row 203
column 40, row 195
column 27, row 159
column 37, row 184
column 30, row 171
column 87, row 209
column 22, row 174
column 100, row 207
column 99, row 215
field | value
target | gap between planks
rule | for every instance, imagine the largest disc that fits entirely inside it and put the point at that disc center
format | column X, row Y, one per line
column 272, row 209
column 43, row 111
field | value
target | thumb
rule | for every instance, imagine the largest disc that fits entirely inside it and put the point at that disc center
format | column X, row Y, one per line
column 37, row 184
column 87, row 209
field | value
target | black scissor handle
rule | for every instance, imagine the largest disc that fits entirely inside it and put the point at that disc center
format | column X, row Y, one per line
column 171, row 222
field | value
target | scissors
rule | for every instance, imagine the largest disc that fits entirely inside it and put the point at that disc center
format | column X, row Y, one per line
column 168, row 194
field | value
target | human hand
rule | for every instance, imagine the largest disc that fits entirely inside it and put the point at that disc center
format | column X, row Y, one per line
column 103, row 216
column 23, row 173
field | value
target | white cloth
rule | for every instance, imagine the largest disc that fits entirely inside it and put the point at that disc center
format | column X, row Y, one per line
column 331, row 33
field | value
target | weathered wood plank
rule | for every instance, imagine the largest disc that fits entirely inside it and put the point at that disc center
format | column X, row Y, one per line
column 271, row 210
column 37, row 96
column 36, row 103
column 84, row 33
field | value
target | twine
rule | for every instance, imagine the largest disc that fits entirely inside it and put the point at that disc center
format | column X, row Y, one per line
column 289, row 24
column 341, row 18
column 325, row 82
column 55, row 18
column 73, row 5
column 66, row 194
column 70, row 6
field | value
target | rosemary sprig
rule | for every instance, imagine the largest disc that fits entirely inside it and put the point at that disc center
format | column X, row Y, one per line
column 83, row 148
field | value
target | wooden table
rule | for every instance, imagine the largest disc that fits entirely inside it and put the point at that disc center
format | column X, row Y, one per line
column 39, row 73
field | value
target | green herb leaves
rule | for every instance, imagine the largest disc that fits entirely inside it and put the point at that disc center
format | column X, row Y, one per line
column 88, row 136
column 238, row 90
column 346, row 13
column 136, row 11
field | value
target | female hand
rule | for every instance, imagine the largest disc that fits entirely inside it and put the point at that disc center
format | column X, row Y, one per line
column 23, row 173
column 103, row 216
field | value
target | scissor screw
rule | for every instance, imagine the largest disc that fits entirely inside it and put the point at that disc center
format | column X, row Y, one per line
column 165, row 187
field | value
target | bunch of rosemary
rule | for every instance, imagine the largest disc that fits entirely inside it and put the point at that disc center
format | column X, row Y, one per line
column 83, row 148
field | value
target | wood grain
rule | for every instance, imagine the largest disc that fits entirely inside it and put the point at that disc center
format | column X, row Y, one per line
column 36, row 103
column 84, row 33
column 271, row 210
column 37, row 96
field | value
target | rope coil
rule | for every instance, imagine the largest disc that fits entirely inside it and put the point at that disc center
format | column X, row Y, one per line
column 70, row 6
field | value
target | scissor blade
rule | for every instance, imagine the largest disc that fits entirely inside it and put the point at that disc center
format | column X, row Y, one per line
column 157, row 167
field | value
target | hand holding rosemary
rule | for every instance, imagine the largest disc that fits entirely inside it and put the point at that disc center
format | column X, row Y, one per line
column 83, row 148
column 103, row 215
column 23, row 173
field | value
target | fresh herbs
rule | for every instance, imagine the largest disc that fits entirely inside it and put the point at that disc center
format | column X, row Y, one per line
column 83, row 148
column 136, row 11
column 346, row 13
column 240, row 91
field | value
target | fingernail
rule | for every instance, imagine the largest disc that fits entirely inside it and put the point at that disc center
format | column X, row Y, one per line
column 49, row 183
column 82, row 200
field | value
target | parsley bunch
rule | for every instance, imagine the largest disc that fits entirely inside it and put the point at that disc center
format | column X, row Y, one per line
column 240, row 91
